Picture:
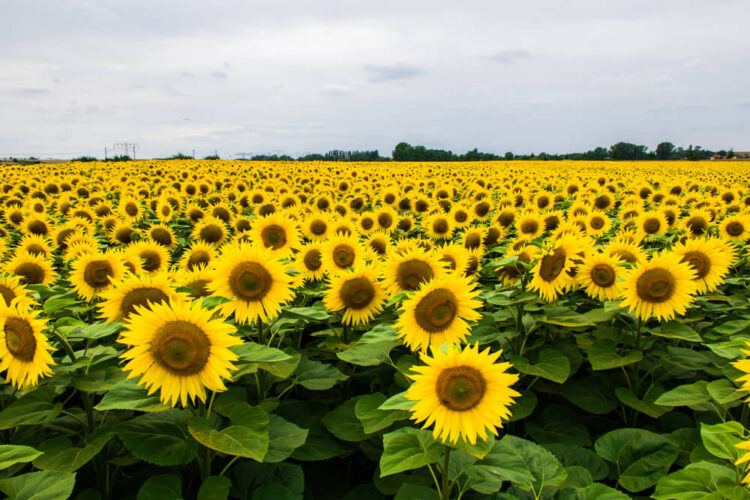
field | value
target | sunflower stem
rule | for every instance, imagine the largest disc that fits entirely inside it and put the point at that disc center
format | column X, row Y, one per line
column 210, row 404
column 84, row 395
column 445, row 490
column 227, row 466
column 261, row 340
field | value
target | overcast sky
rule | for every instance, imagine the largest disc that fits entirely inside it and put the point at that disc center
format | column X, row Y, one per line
column 309, row 76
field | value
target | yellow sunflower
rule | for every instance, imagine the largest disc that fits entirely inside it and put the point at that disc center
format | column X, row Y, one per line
column 309, row 262
column 407, row 271
column 358, row 292
column 24, row 350
column 600, row 275
column 11, row 289
column 162, row 235
column 93, row 273
column 551, row 274
column 529, row 226
column 709, row 258
column 438, row 312
column 341, row 252
column 276, row 233
column 211, row 230
column 455, row 256
column 463, row 392
column 660, row 288
column 735, row 228
column 255, row 279
column 120, row 301
column 31, row 269
column 38, row 245
column 438, row 226
column 154, row 257
column 180, row 350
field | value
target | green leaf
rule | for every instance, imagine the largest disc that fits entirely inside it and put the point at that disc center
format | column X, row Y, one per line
column 646, row 406
column 99, row 380
column 685, row 395
column 504, row 463
column 343, row 423
column 721, row 440
column 215, row 488
column 160, row 438
column 161, row 487
column 33, row 408
column 732, row 327
column 406, row 449
column 283, row 438
column 61, row 456
column 642, row 457
column 552, row 365
column 478, row 450
column 373, row 419
column 128, row 395
column 309, row 313
column 11, row 454
column 570, row 454
column 599, row 491
column 398, row 402
column 409, row 491
column 531, row 467
column 43, row 485
column 95, row 331
column 318, row 376
column 523, row 406
column 603, row 355
column 52, row 305
column 591, row 394
column 247, row 435
column 675, row 329
column 251, row 352
column 562, row 316
column 367, row 354
column 723, row 391
column 692, row 483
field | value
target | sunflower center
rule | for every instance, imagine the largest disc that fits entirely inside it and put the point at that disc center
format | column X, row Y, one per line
column 697, row 225
column 222, row 213
column 181, row 348
column 97, row 273
column 698, row 261
column 378, row 246
column 385, row 220
column 124, row 235
column 7, row 294
column 552, row 222
column 421, row 206
column 312, row 259
column 450, row 260
column 198, row 258
column 131, row 209
column 367, row 223
column 552, row 265
column 493, row 234
column 651, row 225
column 440, row 226
column 473, row 241
column 250, row 281
column 343, row 256
column 30, row 273
column 357, row 293
column 735, row 228
column 529, row 227
column 603, row 275
column 655, row 285
column 200, row 288
column 461, row 216
column 412, row 273
column 161, row 236
column 627, row 256
column 460, row 388
column 63, row 235
column 436, row 310
column 404, row 225
column 273, row 236
column 482, row 209
column 19, row 339
column 389, row 198
column 242, row 225
column 37, row 227
column 151, row 260
column 35, row 248
column 211, row 233
column 597, row 222
column 318, row 227
column 141, row 297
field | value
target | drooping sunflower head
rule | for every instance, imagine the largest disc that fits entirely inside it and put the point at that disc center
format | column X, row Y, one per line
column 358, row 292
column 438, row 312
column 24, row 350
column 407, row 271
column 180, row 350
column 660, row 288
column 464, row 392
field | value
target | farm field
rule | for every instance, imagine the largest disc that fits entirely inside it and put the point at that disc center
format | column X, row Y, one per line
column 296, row 330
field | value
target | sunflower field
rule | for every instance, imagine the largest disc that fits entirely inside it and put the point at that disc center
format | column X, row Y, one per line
column 263, row 330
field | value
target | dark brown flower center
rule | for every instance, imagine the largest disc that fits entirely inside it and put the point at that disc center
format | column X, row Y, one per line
column 250, row 281
column 551, row 222
column 735, row 228
column 603, row 275
column 697, row 225
column 472, row 241
column 412, row 273
column 378, row 245
column 161, row 236
column 404, row 224
column 460, row 388
column 97, row 273
column 140, row 297
column 38, row 227
column 421, row 206
column 655, row 285
column 450, row 260
column 198, row 258
column 63, row 235
column 200, row 288
column 357, row 293
column 626, row 255
column 343, row 255
column 151, row 259
column 552, row 265
column 440, row 226
column 124, row 235
column 31, row 273
column 602, row 202
column 651, row 225
column 436, row 310
column 19, row 339
column 273, row 236
column 385, row 220
column 597, row 223
column 131, row 209
column 461, row 216
column 221, row 213
column 492, row 236
column 36, row 249
column 529, row 226
column 698, row 261
column 312, row 259
column 181, row 348
column 318, row 227
column 367, row 223
column 7, row 294
column 211, row 233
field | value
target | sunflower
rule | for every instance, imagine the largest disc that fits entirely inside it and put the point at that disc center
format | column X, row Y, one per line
column 552, row 220
column 460, row 216
column 341, row 252
column 660, row 288
column 256, row 280
column 309, row 262
column 697, row 222
column 121, row 299
column 481, row 209
column 130, row 209
column 94, row 273
column 598, row 223
column 473, row 239
column 599, row 275
column 377, row 244
column 121, row 234
column 211, row 230
column 198, row 254
column 24, row 350
column 179, row 349
column 405, row 223
column 455, row 256
column 511, row 274
column 154, row 257
column 709, row 258
column 366, row 223
column 196, row 280
column 551, row 274
column 743, row 365
column 358, row 292
column 629, row 253
column 31, row 269
column 11, row 289
column 438, row 226
column 652, row 223
column 162, row 235
column 407, row 271
column 276, row 233
column 494, row 234
column 37, row 245
column 438, row 312
column 735, row 228
column 529, row 226
column 386, row 219
column 463, row 392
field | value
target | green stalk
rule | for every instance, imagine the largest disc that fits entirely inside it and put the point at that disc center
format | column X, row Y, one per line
column 445, row 490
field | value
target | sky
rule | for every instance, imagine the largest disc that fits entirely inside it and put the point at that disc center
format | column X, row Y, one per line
column 296, row 77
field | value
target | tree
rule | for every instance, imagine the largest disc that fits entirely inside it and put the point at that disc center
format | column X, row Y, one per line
column 665, row 151
column 627, row 151
column 508, row 155
column 730, row 154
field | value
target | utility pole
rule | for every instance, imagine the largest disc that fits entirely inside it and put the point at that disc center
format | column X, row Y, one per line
column 105, row 153
column 243, row 156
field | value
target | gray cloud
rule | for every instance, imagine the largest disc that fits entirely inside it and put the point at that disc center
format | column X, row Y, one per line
column 385, row 72
column 220, row 74
column 509, row 56
column 336, row 90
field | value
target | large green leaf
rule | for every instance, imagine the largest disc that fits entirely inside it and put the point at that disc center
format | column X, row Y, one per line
column 721, row 440
column 641, row 457
column 318, row 376
column 247, row 435
column 590, row 393
column 128, row 395
column 676, row 330
column 11, row 454
column 406, row 449
column 525, row 464
column 372, row 417
column 603, row 355
column 723, row 391
column 283, row 438
column 61, row 456
column 552, row 365
column 33, row 408
column 161, row 487
column 343, row 423
column 646, row 405
column 685, row 395
column 43, row 485
column 160, row 438
column 215, row 488
column 689, row 483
